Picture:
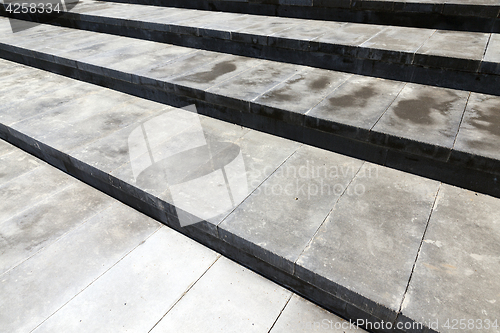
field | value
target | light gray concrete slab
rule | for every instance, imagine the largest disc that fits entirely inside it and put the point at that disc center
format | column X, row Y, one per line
column 237, row 22
column 351, row 34
column 242, row 302
column 30, row 188
column 135, row 293
column 303, row 91
column 166, row 149
column 55, row 275
column 360, row 101
column 6, row 148
column 425, row 114
column 302, row 316
column 493, row 51
column 21, row 109
column 402, row 39
column 456, row 44
column 279, row 219
column 247, row 86
column 266, row 26
column 480, row 129
column 43, row 223
column 180, row 65
column 86, row 119
column 456, row 274
column 15, row 163
column 138, row 55
column 308, row 30
column 375, row 231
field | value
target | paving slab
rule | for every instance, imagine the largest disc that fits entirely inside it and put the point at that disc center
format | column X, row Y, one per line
column 455, row 277
column 359, row 101
column 14, row 163
column 125, row 229
column 237, row 309
column 376, row 231
column 278, row 220
column 38, row 226
column 318, row 84
column 479, row 131
column 492, row 55
column 460, row 49
column 137, row 292
column 437, row 112
column 300, row 316
column 42, row 182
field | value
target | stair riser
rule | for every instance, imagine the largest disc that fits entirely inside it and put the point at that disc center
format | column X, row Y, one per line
column 467, row 171
column 461, row 74
column 420, row 15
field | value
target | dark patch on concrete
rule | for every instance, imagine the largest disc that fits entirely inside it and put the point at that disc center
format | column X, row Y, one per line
column 320, row 83
column 358, row 98
column 285, row 93
column 419, row 110
column 218, row 70
column 488, row 120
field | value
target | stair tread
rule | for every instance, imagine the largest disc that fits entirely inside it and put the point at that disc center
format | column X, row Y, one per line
column 378, row 216
column 431, row 122
column 344, row 36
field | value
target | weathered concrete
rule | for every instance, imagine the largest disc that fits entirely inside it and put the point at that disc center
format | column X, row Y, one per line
column 124, row 230
column 231, row 306
column 279, row 219
column 135, row 293
column 374, row 230
column 424, row 114
column 455, row 278
column 480, row 129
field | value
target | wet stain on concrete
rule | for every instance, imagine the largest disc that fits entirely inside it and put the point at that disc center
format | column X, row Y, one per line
column 359, row 98
column 320, row 83
column 488, row 120
column 285, row 93
column 217, row 70
column 420, row 110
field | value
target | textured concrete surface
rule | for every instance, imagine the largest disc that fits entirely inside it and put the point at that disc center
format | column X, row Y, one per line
column 79, row 261
column 479, row 132
column 374, row 230
column 426, row 114
column 436, row 48
column 455, row 278
column 278, row 220
column 375, row 225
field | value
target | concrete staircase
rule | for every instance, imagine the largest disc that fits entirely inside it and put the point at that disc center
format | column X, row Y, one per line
column 384, row 111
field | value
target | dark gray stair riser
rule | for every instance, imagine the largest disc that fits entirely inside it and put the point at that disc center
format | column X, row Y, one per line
column 477, row 173
column 421, row 15
column 462, row 74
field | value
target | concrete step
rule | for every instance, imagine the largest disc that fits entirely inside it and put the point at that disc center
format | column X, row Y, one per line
column 451, row 59
column 477, row 15
column 443, row 134
column 129, row 272
column 366, row 242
